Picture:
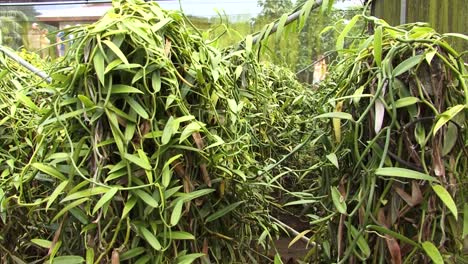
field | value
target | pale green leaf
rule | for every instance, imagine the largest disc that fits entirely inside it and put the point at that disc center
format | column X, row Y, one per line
column 116, row 50
column 406, row 65
column 432, row 252
column 223, row 211
column 56, row 193
column 446, row 198
column 105, row 198
column 50, row 170
column 150, row 238
column 42, row 242
column 338, row 200
column 447, row 116
column 404, row 173
column 176, row 213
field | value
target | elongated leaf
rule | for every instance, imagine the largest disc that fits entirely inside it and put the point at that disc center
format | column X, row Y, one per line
column 176, row 213
column 361, row 241
column 432, row 252
column 188, row 259
column 172, row 126
column 378, row 46
column 68, row 207
column 190, row 129
column 277, row 259
column 446, row 198
column 145, row 197
column 223, row 211
column 50, row 170
column 105, row 198
column 393, row 234
column 406, row 65
column 341, row 38
column 333, row 159
column 447, row 116
column 129, row 206
column 406, row 101
column 85, row 193
column 116, row 50
column 124, row 89
column 98, row 62
column 465, row 220
column 134, row 252
column 194, row 195
column 89, row 255
column 25, row 100
column 338, row 200
column 339, row 115
column 404, row 173
column 42, row 242
column 138, row 161
column 298, row 236
column 150, row 238
column 137, row 107
column 181, row 235
column 301, row 202
column 68, row 260
column 281, row 22
column 56, row 193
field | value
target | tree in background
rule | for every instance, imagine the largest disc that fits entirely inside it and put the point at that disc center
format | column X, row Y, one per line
column 273, row 9
column 13, row 27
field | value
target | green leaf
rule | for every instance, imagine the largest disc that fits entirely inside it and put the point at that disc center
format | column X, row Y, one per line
column 465, row 220
column 281, row 23
column 277, row 259
column 333, row 159
column 68, row 260
column 150, row 238
column 56, row 193
column 116, row 50
column 50, row 170
column 188, row 259
column 156, row 81
column 134, row 252
column 180, row 235
column 223, row 211
column 341, row 38
column 123, row 89
column 26, row 101
column 112, row 65
column 194, row 195
column 145, row 197
column 89, row 255
column 138, row 161
column 404, row 173
column 172, row 126
column 446, row 198
column 86, row 101
column 378, row 46
column 324, row 7
column 190, row 129
column 450, row 139
column 68, row 207
column 129, row 206
column 406, row 65
column 361, row 241
column 338, row 200
column 137, row 107
column 98, row 62
column 339, row 115
column 432, row 252
column 393, row 234
column 42, row 242
column 105, row 198
column 457, row 35
column 406, row 101
column 85, row 193
column 447, row 116
column 176, row 213
column 248, row 44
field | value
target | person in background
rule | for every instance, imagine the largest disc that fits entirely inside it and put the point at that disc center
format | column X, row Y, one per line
column 59, row 38
column 34, row 37
column 45, row 43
